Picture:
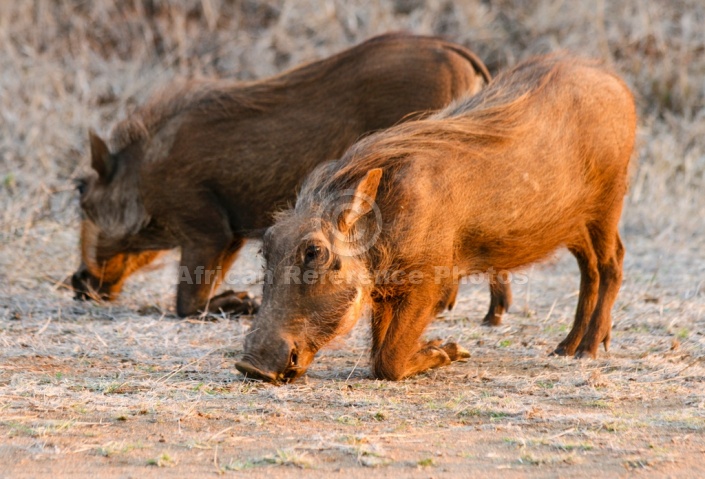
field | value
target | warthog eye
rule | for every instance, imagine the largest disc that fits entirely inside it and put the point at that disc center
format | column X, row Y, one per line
column 314, row 255
column 81, row 185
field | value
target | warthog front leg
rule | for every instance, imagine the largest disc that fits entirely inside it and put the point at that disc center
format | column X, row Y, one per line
column 105, row 281
column 201, row 271
column 397, row 350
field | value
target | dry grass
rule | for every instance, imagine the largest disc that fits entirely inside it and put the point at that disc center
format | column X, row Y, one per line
column 129, row 389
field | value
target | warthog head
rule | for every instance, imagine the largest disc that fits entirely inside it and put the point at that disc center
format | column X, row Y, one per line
column 317, row 279
column 112, row 211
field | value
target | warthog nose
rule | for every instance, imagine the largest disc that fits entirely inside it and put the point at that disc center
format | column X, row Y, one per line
column 292, row 368
column 84, row 286
column 250, row 371
column 78, row 283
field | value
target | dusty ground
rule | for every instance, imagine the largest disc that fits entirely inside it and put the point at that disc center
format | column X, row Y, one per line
column 129, row 390
column 125, row 390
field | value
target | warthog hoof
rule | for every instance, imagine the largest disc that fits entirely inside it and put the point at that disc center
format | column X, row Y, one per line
column 234, row 303
column 585, row 354
column 492, row 319
column 559, row 351
column 455, row 352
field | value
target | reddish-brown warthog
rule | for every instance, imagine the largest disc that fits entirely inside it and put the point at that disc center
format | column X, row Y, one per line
column 204, row 166
column 536, row 161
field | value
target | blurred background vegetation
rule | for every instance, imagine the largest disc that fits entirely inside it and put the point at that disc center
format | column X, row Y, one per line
column 67, row 66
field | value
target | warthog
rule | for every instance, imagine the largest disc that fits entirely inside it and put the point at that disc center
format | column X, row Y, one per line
column 536, row 161
column 204, row 166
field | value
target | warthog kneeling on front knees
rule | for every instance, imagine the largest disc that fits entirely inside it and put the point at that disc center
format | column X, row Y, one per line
column 432, row 195
column 203, row 167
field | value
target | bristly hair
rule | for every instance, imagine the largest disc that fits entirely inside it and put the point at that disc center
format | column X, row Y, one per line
column 212, row 99
column 490, row 117
column 218, row 99
column 226, row 98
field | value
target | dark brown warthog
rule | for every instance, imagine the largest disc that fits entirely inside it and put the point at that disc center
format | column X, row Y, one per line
column 204, row 166
column 432, row 195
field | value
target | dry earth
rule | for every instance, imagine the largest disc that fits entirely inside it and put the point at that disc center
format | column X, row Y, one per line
column 129, row 390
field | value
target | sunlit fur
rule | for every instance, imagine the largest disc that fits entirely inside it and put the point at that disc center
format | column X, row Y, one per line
column 535, row 162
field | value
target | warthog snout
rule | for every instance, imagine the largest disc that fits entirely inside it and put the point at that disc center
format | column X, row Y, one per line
column 253, row 372
column 276, row 360
column 87, row 286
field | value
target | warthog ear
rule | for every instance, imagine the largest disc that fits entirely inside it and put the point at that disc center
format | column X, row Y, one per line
column 365, row 195
column 101, row 159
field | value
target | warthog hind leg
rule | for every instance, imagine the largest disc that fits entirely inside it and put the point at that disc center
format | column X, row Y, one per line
column 500, row 300
column 589, row 285
column 599, row 331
